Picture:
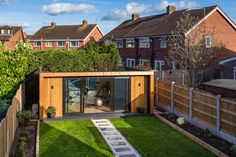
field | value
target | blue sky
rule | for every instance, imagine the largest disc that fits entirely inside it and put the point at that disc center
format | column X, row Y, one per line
column 33, row 14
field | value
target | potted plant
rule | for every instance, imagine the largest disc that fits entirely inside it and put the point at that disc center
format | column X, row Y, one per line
column 51, row 112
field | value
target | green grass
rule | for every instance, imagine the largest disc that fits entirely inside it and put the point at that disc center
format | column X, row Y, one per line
column 77, row 138
column 153, row 138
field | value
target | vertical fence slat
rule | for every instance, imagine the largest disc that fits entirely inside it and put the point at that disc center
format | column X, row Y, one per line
column 191, row 103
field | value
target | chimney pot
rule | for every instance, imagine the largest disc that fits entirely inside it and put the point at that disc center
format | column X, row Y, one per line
column 135, row 16
column 53, row 24
column 170, row 9
column 85, row 22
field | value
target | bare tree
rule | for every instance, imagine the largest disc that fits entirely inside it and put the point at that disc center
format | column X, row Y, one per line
column 193, row 51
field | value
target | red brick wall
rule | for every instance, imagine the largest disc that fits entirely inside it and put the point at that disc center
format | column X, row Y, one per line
column 11, row 44
column 93, row 37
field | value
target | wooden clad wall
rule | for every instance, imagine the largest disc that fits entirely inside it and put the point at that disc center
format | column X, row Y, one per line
column 138, row 95
column 51, row 93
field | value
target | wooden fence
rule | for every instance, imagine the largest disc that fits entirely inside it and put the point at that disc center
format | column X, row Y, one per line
column 9, row 124
column 202, row 109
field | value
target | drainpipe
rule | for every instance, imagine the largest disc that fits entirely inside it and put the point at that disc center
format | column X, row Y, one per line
column 137, row 50
column 68, row 43
column 153, row 53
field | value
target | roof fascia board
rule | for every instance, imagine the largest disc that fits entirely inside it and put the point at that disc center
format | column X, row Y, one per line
column 227, row 60
column 96, row 26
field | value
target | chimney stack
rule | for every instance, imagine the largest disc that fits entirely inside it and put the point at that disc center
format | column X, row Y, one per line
column 85, row 22
column 53, row 24
column 170, row 9
column 135, row 16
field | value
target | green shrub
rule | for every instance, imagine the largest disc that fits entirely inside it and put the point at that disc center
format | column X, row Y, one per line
column 23, row 117
column 19, row 152
column 180, row 121
column 208, row 133
column 233, row 148
column 140, row 109
column 51, row 109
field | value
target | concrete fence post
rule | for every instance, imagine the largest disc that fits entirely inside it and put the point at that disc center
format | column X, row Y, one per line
column 191, row 103
column 162, row 74
column 172, row 96
column 218, row 113
column 182, row 77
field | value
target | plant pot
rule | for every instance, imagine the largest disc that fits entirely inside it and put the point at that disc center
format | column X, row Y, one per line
column 51, row 115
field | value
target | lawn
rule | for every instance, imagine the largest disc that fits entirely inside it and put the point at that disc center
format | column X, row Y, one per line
column 77, row 138
column 153, row 138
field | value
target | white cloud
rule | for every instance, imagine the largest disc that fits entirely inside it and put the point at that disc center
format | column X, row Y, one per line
column 26, row 25
column 130, row 8
column 115, row 14
column 61, row 8
column 2, row 2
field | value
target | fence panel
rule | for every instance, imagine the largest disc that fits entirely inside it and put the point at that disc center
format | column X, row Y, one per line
column 204, row 107
column 164, row 92
column 181, row 99
column 228, row 116
column 9, row 124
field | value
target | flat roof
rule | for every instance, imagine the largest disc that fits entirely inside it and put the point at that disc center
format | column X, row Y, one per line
column 222, row 83
column 96, row 73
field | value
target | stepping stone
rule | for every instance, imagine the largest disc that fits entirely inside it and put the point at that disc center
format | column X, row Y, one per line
column 124, row 149
column 114, row 138
column 101, row 121
column 110, row 133
column 107, row 129
column 117, row 143
column 128, row 155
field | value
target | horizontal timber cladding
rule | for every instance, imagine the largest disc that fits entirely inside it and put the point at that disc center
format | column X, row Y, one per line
column 141, row 89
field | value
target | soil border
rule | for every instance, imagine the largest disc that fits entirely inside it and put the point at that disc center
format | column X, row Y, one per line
column 192, row 137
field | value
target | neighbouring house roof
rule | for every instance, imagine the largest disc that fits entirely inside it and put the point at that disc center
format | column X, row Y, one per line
column 79, row 32
column 161, row 24
column 14, row 30
column 222, row 83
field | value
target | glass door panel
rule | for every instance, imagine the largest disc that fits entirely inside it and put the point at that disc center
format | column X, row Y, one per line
column 121, row 92
column 73, row 96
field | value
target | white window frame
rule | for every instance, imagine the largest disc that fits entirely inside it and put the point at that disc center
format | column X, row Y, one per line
column 208, row 38
column 144, row 42
column 119, row 45
column 163, row 42
column 161, row 63
column 77, row 45
column 129, row 62
column 234, row 72
column 36, row 45
column 8, row 31
column 47, row 44
column 130, row 41
column 61, row 41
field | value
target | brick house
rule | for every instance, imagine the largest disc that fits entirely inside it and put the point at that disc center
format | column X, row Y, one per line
column 69, row 37
column 11, row 35
column 145, row 39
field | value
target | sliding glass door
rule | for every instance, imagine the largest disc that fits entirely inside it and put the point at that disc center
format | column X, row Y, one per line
column 121, row 94
column 73, row 96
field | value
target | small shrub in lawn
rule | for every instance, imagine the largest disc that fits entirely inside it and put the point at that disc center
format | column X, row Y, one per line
column 233, row 148
column 180, row 121
column 208, row 133
column 23, row 117
column 140, row 109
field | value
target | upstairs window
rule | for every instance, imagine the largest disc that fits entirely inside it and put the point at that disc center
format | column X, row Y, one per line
column 74, row 44
column 163, row 42
column 208, row 41
column 6, row 31
column 130, row 43
column 144, row 42
column 61, row 44
column 37, row 43
column 48, row 44
column 119, row 43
